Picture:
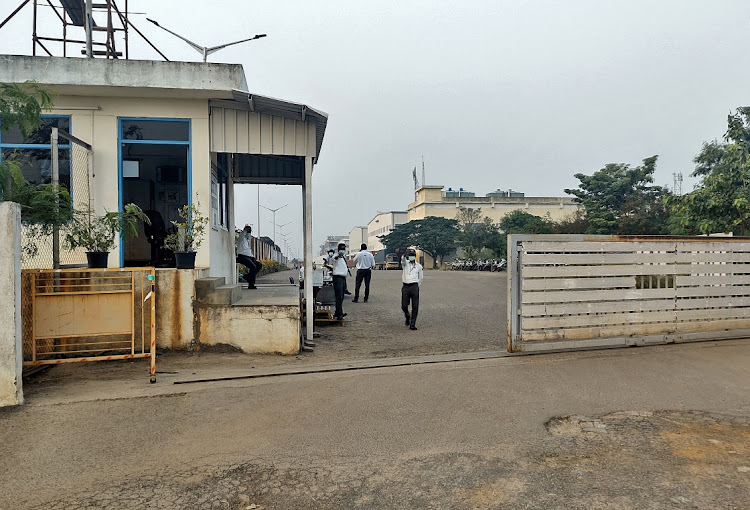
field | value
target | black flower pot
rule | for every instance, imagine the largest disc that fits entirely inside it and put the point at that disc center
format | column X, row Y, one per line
column 97, row 259
column 185, row 260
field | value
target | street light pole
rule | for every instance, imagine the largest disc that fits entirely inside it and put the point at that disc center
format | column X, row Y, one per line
column 286, row 241
column 274, row 217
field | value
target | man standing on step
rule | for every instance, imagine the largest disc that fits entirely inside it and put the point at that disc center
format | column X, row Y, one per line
column 246, row 258
column 340, row 270
column 411, row 277
column 365, row 263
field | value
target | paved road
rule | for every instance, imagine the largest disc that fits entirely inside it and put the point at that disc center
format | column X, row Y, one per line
column 664, row 427
column 459, row 312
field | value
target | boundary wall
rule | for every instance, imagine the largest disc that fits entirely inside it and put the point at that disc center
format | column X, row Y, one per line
column 11, row 346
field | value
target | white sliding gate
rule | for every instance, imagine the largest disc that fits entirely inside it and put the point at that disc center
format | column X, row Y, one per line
column 580, row 291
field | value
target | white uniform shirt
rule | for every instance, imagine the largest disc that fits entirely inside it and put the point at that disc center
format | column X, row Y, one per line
column 339, row 266
column 364, row 260
column 243, row 246
column 412, row 272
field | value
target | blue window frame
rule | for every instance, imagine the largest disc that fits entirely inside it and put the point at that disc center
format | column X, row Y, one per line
column 152, row 131
column 34, row 154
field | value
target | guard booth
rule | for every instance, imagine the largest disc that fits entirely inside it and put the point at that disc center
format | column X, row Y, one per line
column 270, row 141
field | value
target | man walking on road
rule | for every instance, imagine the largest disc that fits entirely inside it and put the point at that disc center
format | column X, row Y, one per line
column 340, row 270
column 365, row 263
column 411, row 277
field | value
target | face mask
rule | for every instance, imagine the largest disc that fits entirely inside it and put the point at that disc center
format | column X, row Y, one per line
column 248, row 235
column 412, row 258
column 330, row 254
column 342, row 252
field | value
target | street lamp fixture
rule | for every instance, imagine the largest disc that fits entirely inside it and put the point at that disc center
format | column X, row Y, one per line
column 274, row 217
column 204, row 50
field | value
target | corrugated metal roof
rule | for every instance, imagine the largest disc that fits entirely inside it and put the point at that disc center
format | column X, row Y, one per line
column 288, row 109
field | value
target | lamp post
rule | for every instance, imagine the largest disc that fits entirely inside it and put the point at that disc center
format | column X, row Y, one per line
column 274, row 217
column 286, row 242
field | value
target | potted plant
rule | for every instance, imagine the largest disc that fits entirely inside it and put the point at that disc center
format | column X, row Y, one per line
column 97, row 233
column 188, row 235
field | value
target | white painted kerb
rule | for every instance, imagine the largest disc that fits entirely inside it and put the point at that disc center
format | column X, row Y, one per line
column 11, row 344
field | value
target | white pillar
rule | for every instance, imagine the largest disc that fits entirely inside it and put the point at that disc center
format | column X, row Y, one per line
column 308, row 241
column 11, row 343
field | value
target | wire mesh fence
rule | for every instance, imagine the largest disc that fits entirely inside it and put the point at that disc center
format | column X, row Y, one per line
column 77, row 162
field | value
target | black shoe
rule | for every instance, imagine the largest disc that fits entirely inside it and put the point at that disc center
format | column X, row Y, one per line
column 355, row 301
column 407, row 321
column 365, row 300
column 413, row 328
column 347, row 293
column 252, row 287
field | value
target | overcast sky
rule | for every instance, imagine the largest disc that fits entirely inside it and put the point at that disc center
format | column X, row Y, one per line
column 494, row 94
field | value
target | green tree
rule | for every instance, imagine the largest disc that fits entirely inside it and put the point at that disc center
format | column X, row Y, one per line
column 472, row 236
column 494, row 240
column 521, row 222
column 42, row 205
column 620, row 199
column 434, row 235
column 721, row 203
column 574, row 223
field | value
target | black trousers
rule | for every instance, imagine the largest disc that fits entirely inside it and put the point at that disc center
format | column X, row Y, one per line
column 253, row 268
column 362, row 274
column 339, row 283
column 410, row 292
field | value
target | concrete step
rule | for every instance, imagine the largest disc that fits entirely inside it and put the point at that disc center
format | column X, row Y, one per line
column 223, row 295
column 206, row 286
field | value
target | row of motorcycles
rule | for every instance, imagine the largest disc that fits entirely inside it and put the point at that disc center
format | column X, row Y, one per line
column 492, row 265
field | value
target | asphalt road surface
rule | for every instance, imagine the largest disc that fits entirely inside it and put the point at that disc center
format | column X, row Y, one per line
column 458, row 312
column 663, row 427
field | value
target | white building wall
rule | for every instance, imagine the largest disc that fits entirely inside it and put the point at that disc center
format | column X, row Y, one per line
column 381, row 225
column 357, row 236
column 95, row 119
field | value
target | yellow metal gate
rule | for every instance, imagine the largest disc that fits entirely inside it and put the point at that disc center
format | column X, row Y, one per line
column 74, row 315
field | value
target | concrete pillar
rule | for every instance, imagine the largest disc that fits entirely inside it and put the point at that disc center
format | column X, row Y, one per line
column 308, row 240
column 11, row 343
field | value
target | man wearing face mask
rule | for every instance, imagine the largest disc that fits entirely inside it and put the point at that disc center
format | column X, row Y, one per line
column 246, row 258
column 411, row 277
column 328, row 261
column 340, row 270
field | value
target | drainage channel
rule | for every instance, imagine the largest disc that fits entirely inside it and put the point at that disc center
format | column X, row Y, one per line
column 350, row 368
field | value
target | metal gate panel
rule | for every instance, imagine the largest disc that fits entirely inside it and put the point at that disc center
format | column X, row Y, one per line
column 574, row 291
column 75, row 315
column 64, row 315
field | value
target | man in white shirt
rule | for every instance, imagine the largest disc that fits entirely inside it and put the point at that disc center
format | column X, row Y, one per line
column 365, row 263
column 340, row 270
column 411, row 277
column 328, row 261
column 246, row 258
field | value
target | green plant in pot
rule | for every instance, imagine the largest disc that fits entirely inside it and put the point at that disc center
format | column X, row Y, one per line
column 188, row 235
column 97, row 233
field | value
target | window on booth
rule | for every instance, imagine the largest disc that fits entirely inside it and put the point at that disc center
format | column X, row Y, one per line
column 34, row 152
column 219, row 194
